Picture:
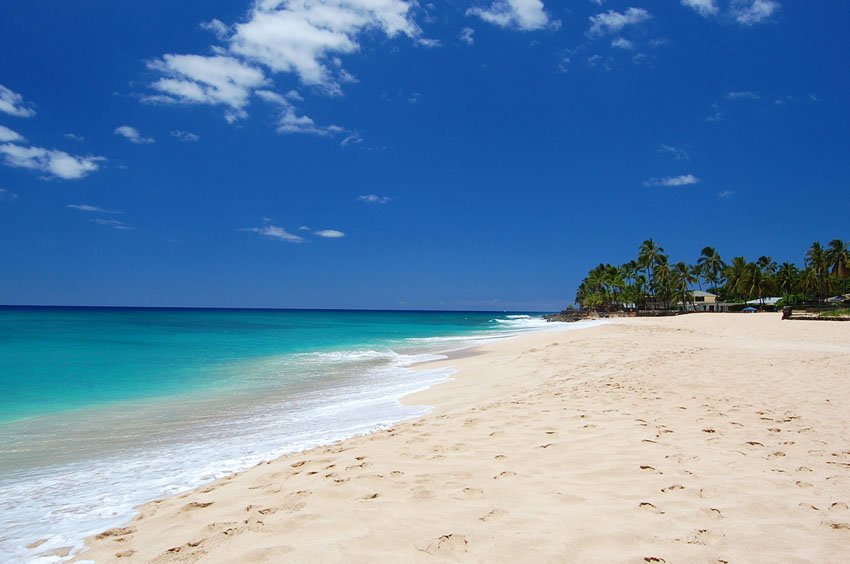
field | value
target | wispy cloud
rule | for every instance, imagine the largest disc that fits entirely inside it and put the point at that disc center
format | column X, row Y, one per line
column 92, row 209
column 9, row 136
column 622, row 43
column 351, row 139
column 611, row 22
column 218, row 27
column 13, row 103
column 467, row 35
column 743, row 95
column 329, row 234
column 725, row 194
column 600, row 62
column 670, row 181
column 73, row 137
column 705, row 8
column 290, row 122
column 274, row 232
column 374, row 199
column 7, row 195
column 113, row 223
column 54, row 163
column 185, row 136
column 675, row 152
column 526, row 15
column 751, row 12
column 132, row 135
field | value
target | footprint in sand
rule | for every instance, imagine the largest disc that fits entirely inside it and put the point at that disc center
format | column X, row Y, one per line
column 119, row 532
column 713, row 513
column 653, row 559
column 777, row 454
column 650, row 469
column 838, row 506
column 451, row 543
column 672, row 488
column 494, row 514
column 125, row 554
column 702, row 537
column 650, row 507
column 505, row 474
column 472, row 493
column 840, row 526
column 802, row 484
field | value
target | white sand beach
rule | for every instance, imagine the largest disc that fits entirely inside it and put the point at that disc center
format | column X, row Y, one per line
column 702, row 438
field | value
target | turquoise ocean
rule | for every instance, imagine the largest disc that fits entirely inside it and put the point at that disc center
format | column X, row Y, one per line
column 103, row 409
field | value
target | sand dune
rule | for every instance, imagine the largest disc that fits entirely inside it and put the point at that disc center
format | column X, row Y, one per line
column 706, row 438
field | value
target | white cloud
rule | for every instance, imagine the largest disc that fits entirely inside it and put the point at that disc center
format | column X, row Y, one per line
column 274, row 232
column 329, row 233
column 351, row 139
column 675, row 152
column 72, row 137
column 301, row 36
column 611, row 22
column 683, row 180
column 726, row 194
column 429, row 43
column 743, row 95
column 7, row 195
column 214, row 80
column 598, row 61
column 622, row 43
column 113, row 223
column 289, row 120
column 132, row 135
column 814, row 98
column 13, row 103
column 219, row 28
column 55, row 163
column 185, row 136
column 526, row 15
column 705, row 8
column 91, row 209
column 751, row 12
column 373, row 199
column 467, row 35
column 9, row 136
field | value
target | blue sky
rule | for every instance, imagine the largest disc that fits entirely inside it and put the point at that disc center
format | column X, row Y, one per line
column 393, row 154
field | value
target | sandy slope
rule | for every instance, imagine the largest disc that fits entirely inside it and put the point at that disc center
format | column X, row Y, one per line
column 706, row 438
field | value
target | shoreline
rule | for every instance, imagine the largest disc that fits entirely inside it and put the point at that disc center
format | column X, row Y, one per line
column 181, row 462
column 424, row 481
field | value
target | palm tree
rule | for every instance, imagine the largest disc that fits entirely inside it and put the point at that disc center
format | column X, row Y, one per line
column 661, row 279
column 838, row 258
column 711, row 266
column 816, row 260
column 755, row 282
column 648, row 256
column 735, row 275
column 681, row 278
column 786, row 278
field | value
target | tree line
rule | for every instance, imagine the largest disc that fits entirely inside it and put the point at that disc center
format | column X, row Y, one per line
column 652, row 279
